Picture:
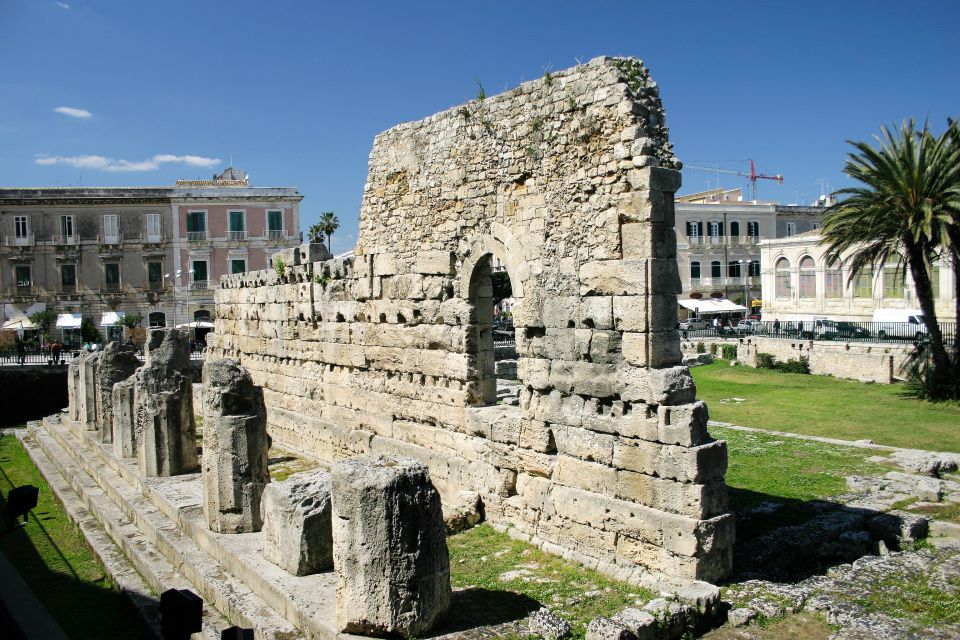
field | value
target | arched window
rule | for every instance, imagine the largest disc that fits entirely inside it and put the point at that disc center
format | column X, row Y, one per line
column 894, row 273
column 694, row 228
column 833, row 281
column 201, row 315
column 735, row 228
column 157, row 319
column 715, row 269
column 716, row 228
column 753, row 229
column 733, row 269
column 863, row 287
column 695, row 270
column 782, row 284
column 808, row 278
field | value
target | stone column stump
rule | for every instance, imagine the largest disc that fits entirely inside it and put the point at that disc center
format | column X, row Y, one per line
column 235, row 446
column 163, row 405
column 126, row 439
column 390, row 553
column 297, row 533
column 87, row 388
column 115, row 364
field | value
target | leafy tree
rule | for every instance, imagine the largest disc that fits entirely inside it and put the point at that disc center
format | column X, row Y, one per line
column 502, row 288
column 329, row 224
column 131, row 320
column 89, row 331
column 315, row 233
column 905, row 210
column 43, row 320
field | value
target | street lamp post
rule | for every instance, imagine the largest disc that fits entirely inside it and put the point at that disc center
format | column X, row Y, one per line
column 745, row 270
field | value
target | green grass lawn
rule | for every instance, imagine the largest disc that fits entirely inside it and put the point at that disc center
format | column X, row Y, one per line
column 764, row 468
column 53, row 559
column 825, row 406
column 515, row 578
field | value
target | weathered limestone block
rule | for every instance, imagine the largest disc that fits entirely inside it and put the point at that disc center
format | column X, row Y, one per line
column 126, row 438
column 163, row 403
column 88, row 390
column 235, row 446
column 393, row 569
column 296, row 513
column 116, row 363
column 73, row 389
column 464, row 513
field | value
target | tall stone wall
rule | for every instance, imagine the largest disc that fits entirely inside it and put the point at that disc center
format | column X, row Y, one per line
column 569, row 182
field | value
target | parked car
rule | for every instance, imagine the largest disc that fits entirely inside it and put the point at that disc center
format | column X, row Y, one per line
column 747, row 326
column 694, row 324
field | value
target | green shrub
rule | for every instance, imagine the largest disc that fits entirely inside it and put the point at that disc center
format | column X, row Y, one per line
column 713, row 348
column 280, row 267
column 802, row 365
column 701, row 348
column 729, row 352
column 766, row 361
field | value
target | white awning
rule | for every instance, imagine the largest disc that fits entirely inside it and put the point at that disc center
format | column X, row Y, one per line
column 710, row 305
column 111, row 318
column 19, row 323
column 196, row 324
column 69, row 320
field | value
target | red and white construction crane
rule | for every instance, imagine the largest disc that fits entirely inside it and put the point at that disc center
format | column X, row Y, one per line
column 753, row 175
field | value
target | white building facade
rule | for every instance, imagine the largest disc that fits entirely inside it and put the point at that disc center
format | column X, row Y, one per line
column 797, row 284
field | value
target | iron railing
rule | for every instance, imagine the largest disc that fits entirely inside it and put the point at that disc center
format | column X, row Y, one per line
column 832, row 330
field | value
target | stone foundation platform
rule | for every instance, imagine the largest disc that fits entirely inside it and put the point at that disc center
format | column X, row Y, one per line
column 158, row 524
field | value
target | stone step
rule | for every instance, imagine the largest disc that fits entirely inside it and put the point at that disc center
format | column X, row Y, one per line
column 208, row 577
column 137, row 568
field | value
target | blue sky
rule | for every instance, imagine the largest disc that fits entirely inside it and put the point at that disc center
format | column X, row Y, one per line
column 294, row 92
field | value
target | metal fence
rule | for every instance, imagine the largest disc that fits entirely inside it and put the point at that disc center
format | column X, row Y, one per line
column 46, row 357
column 887, row 332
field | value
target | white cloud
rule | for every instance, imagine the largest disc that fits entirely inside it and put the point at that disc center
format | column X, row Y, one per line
column 73, row 112
column 101, row 163
column 193, row 161
column 62, row 5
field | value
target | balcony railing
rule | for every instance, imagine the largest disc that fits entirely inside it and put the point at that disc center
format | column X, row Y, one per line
column 67, row 289
column 199, row 285
column 110, row 239
column 276, row 234
column 153, row 286
column 111, row 287
column 24, row 290
column 20, row 241
column 236, row 235
column 64, row 239
column 151, row 238
column 700, row 284
column 196, row 236
column 719, row 241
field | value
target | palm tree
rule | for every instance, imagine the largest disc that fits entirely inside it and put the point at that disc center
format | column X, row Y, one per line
column 329, row 223
column 315, row 233
column 909, row 199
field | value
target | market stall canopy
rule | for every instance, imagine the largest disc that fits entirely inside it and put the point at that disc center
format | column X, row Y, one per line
column 19, row 323
column 69, row 320
column 111, row 318
column 196, row 324
column 710, row 305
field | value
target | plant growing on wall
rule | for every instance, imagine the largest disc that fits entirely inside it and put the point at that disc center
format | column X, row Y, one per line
column 280, row 267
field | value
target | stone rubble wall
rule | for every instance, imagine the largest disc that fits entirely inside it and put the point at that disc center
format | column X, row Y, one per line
column 569, row 181
column 880, row 363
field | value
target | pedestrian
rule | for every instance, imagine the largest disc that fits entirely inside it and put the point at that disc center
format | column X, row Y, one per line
column 55, row 349
column 21, row 351
column 776, row 327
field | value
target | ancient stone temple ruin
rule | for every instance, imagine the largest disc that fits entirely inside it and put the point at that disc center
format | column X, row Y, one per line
column 379, row 370
column 568, row 183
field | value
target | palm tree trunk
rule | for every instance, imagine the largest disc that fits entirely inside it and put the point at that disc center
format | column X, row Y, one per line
column 921, row 279
column 330, row 243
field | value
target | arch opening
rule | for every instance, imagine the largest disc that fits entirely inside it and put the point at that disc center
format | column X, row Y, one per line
column 491, row 335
